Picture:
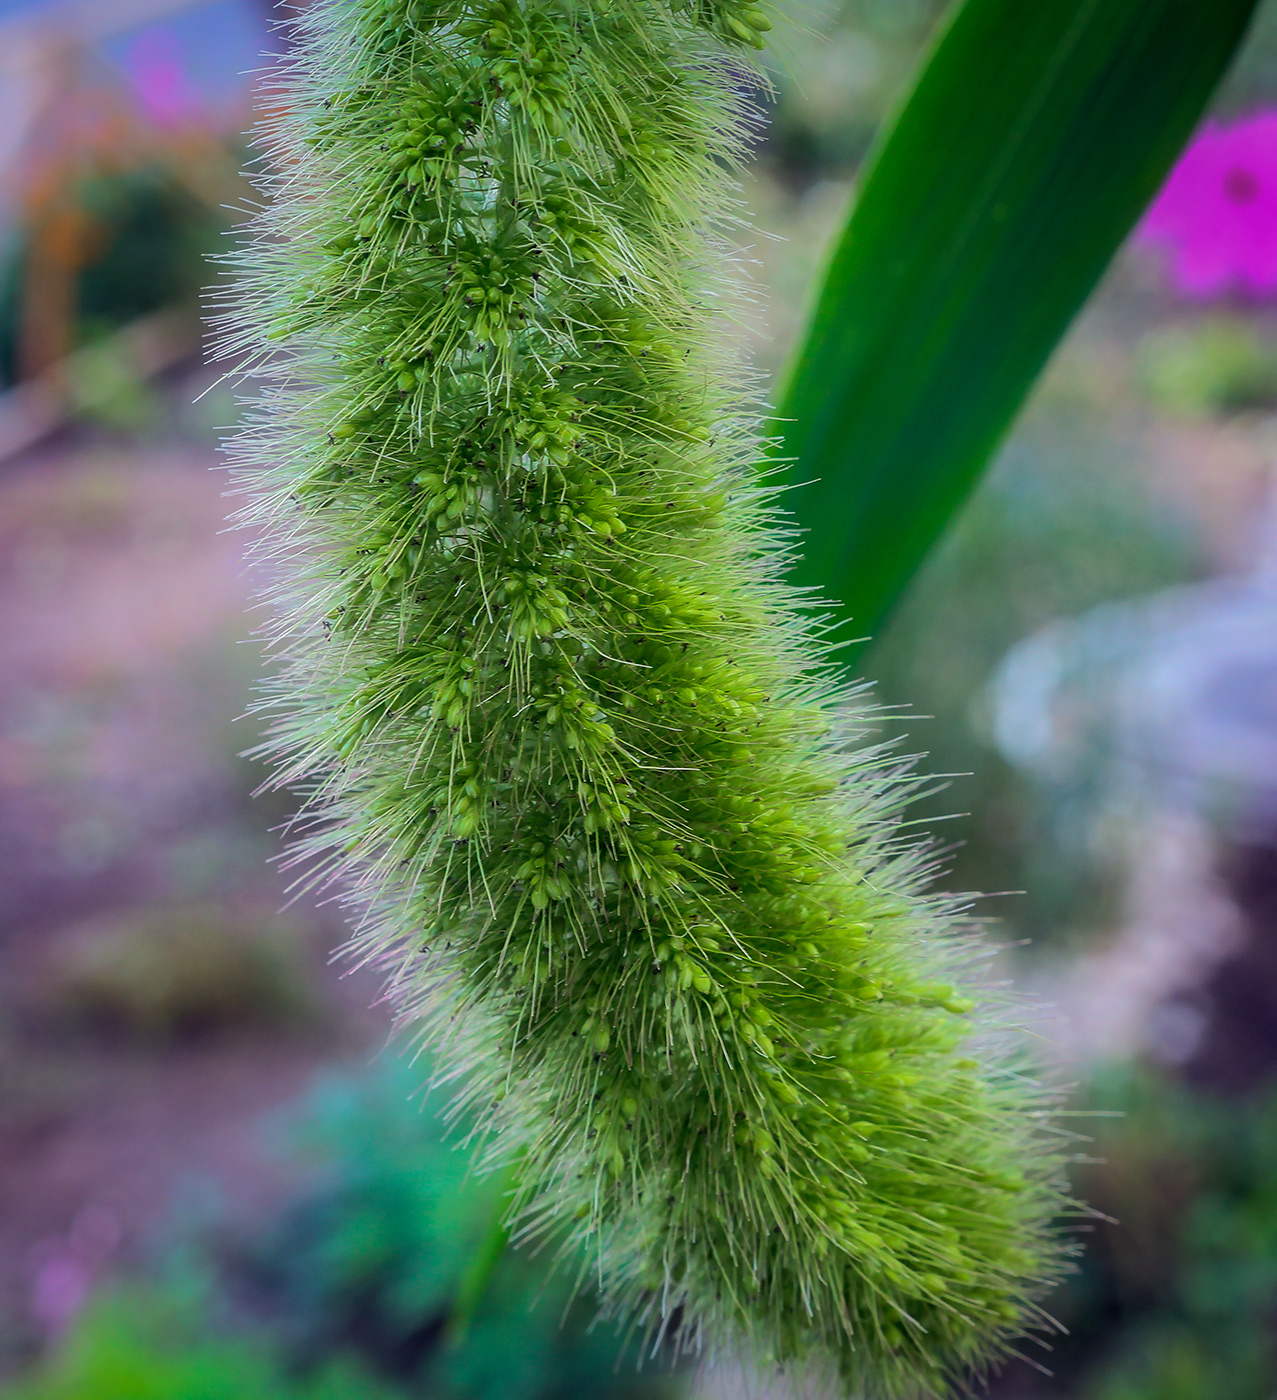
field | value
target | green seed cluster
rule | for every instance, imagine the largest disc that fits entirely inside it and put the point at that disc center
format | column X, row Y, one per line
column 566, row 734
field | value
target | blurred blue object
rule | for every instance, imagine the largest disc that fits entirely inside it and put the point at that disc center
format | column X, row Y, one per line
column 1173, row 695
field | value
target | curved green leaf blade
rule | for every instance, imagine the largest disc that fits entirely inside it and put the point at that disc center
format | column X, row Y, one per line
column 1034, row 137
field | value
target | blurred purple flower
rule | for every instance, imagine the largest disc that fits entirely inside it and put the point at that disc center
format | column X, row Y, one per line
column 61, row 1287
column 65, row 1268
column 1217, row 214
column 161, row 83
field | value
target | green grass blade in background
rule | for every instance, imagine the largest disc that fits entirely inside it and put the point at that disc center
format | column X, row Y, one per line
column 1035, row 135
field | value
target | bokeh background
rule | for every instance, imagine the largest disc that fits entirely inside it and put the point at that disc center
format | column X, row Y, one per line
column 215, row 1180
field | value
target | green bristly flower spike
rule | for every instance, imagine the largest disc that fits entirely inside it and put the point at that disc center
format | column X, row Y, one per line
column 567, row 737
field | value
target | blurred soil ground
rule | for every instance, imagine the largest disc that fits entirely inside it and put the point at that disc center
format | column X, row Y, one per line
column 124, row 811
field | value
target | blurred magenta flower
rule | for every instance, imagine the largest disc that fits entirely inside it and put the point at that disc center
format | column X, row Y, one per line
column 67, row 1266
column 1217, row 214
column 61, row 1288
column 161, row 83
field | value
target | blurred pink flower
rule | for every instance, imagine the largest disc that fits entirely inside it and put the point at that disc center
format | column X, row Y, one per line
column 60, row 1289
column 1217, row 214
column 65, row 1268
column 160, row 79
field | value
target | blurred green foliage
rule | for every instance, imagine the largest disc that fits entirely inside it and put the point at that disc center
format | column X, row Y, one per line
column 835, row 71
column 1065, row 521
column 375, row 1258
column 150, row 241
column 1175, row 1297
column 353, row 1289
column 1209, row 364
column 136, row 1344
column 168, row 971
column 1253, row 79
column 106, row 388
column 153, row 241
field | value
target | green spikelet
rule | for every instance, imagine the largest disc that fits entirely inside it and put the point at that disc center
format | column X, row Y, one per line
column 566, row 736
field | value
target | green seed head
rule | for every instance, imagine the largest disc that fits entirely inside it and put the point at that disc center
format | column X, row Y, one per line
column 563, row 725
